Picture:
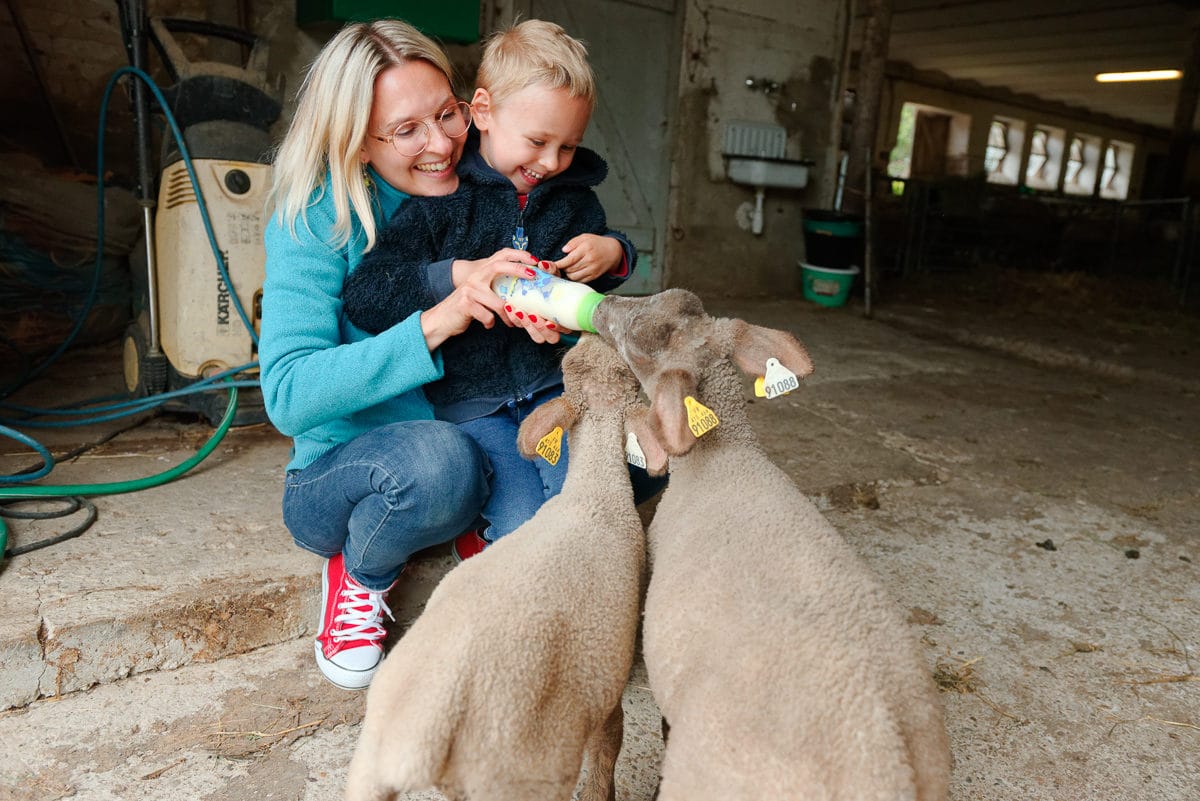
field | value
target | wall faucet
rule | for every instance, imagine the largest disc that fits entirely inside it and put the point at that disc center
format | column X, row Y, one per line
column 765, row 85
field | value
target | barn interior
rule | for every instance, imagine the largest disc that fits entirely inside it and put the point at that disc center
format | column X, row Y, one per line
column 990, row 252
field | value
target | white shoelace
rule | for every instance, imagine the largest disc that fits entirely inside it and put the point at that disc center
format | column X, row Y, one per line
column 362, row 611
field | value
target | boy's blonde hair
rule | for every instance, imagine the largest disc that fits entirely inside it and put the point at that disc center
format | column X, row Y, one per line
column 535, row 53
column 333, row 109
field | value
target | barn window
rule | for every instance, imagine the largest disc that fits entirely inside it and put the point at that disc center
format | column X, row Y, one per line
column 1002, row 155
column 1083, row 165
column 1037, row 154
column 1074, row 161
column 997, row 146
column 1118, row 166
column 1045, row 157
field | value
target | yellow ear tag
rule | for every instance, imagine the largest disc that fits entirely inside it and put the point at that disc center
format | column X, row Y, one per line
column 549, row 447
column 779, row 380
column 759, row 392
column 701, row 419
column 633, row 451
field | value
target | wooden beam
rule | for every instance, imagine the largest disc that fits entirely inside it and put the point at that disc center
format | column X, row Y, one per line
column 1004, row 17
column 1185, row 114
column 876, row 31
column 933, row 79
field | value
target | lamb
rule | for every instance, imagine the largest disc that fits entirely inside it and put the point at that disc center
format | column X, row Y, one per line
column 517, row 664
column 781, row 667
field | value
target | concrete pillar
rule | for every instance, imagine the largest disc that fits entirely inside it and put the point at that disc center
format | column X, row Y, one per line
column 1181, row 130
column 872, row 59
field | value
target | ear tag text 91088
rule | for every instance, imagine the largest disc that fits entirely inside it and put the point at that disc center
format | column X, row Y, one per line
column 549, row 447
column 701, row 419
column 778, row 381
column 633, row 451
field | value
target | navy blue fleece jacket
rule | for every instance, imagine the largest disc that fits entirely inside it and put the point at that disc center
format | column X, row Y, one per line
column 408, row 270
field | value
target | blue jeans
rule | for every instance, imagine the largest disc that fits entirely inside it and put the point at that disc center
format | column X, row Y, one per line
column 519, row 486
column 387, row 494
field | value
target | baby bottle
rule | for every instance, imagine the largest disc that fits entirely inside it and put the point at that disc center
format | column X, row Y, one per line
column 567, row 304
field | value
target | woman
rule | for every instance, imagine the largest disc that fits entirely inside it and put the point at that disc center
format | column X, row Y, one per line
column 373, row 478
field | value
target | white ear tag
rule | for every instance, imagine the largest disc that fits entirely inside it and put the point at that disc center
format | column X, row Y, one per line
column 633, row 451
column 779, row 380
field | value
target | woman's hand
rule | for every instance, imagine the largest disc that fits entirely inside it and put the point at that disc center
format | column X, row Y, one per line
column 473, row 299
column 461, row 270
column 589, row 256
column 539, row 330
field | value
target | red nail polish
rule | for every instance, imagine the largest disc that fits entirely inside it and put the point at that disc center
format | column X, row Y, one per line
column 549, row 325
column 508, row 308
column 530, row 272
column 520, row 316
column 533, row 318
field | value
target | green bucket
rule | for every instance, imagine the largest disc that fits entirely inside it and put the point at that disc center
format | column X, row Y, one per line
column 828, row 286
column 832, row 239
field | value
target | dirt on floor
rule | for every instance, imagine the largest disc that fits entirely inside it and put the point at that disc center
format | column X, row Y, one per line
column 1015, row 455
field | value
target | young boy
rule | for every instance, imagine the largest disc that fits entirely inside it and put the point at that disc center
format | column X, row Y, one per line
column 525, row 184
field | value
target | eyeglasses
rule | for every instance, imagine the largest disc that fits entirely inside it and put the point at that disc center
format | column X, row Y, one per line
column 412, row 137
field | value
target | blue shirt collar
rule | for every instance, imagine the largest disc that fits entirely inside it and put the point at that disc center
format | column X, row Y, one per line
column 385, row 195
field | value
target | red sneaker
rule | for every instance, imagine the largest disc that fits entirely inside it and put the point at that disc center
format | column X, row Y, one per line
column 349, row 646
column 466, row 545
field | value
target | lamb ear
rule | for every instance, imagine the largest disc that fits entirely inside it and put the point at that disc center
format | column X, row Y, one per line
column 541, row 421
column 753, row 345
column 668, row 414
column 637, row 422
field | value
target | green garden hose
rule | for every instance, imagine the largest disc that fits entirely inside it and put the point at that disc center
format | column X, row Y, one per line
column 118, row 487
column 26, row 493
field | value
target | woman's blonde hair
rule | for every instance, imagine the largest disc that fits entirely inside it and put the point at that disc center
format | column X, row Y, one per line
column 535, row 53
column 330, row 124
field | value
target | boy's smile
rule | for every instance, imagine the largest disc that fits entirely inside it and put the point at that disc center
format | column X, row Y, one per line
column 530, row 176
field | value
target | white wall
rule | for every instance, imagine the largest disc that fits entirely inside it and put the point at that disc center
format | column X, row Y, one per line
column 796, row 43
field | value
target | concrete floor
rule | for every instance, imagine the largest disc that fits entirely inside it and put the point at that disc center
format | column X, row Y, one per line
column 1025, row 478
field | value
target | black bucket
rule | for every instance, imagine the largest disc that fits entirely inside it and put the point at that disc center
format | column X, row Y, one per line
column 833, row 239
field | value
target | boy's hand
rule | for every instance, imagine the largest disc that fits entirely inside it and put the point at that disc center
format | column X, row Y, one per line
column 589, row 256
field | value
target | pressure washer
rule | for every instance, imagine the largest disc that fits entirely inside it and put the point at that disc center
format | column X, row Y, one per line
column 197, row 283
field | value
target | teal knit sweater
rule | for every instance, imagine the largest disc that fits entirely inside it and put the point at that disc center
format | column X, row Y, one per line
column 324, row 381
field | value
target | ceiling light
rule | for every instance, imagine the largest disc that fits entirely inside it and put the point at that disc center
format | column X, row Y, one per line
column 1138, row 75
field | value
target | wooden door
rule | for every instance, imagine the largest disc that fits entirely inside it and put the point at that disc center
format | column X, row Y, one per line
column 931, row 139
column 633, row 48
